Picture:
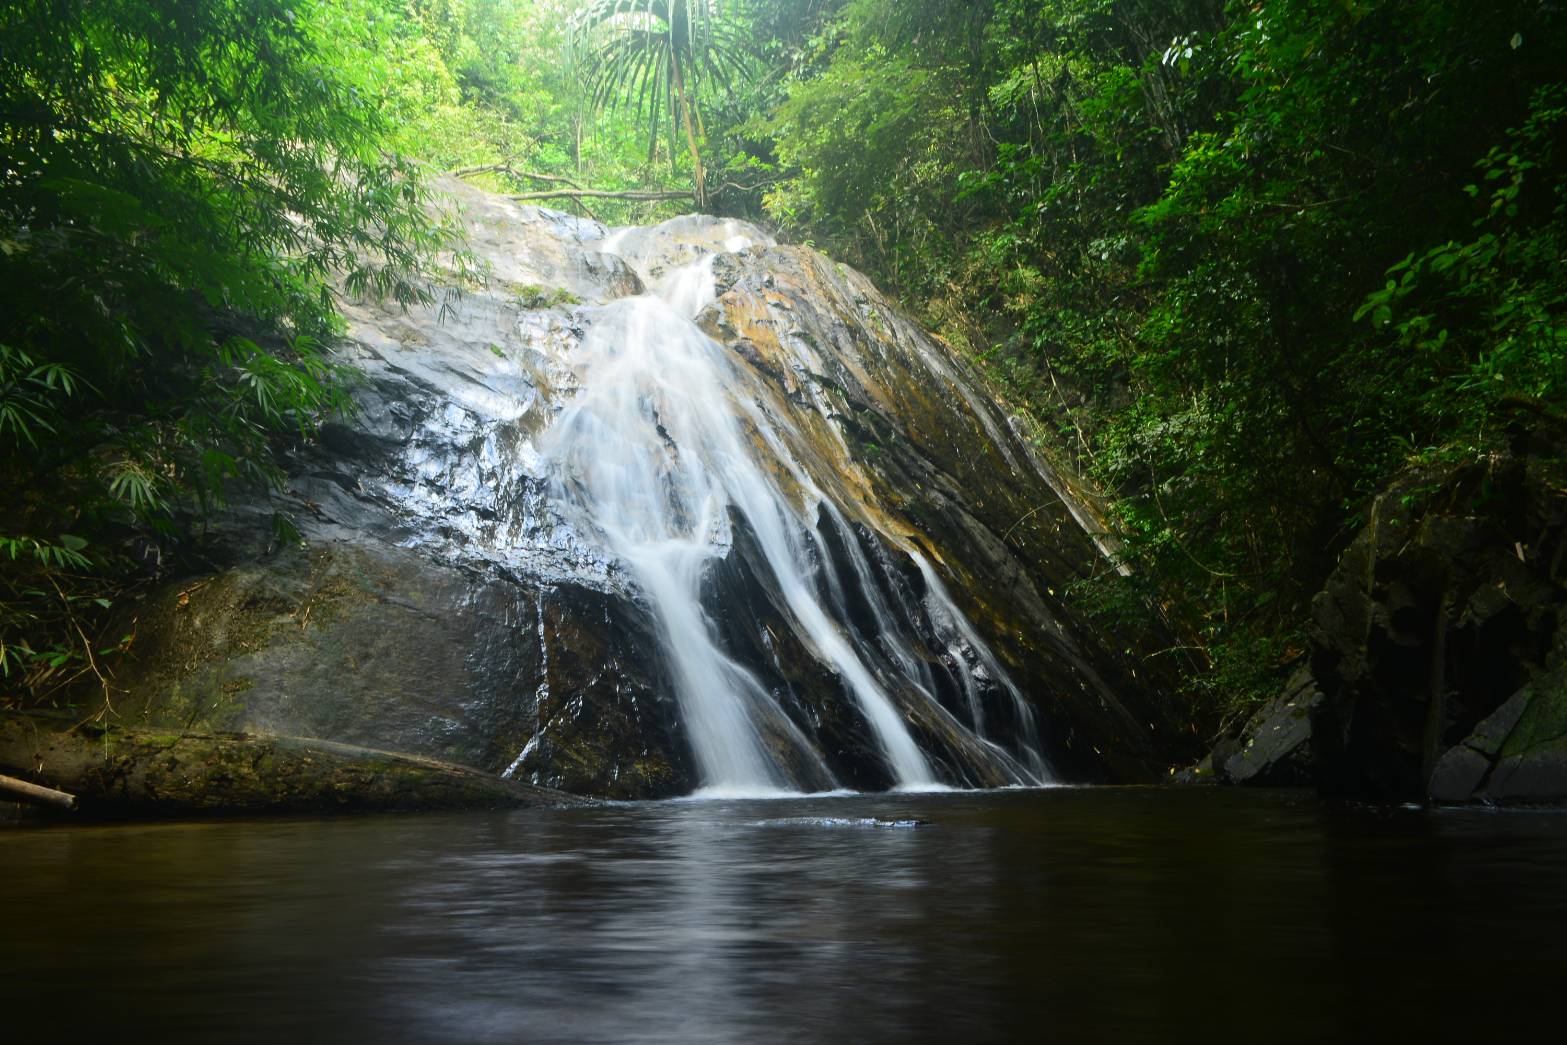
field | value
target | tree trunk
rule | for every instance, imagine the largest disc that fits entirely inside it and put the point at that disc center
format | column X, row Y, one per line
column 685, row 102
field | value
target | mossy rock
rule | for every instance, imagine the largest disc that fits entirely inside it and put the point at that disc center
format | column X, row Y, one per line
column 117, row 772
column 1544, row 719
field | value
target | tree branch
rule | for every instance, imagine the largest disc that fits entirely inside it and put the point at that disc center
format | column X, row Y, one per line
column 23, row 791
column 600, row 194
column 507, row 168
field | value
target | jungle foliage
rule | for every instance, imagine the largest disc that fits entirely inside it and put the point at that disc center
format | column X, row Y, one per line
column 1250, row 258
column 1246, row 259
column 180, row 185
column 186, row 188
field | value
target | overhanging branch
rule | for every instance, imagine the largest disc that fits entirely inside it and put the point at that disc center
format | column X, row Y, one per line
column 507, row 168
column 601, row 194
column 577, row 192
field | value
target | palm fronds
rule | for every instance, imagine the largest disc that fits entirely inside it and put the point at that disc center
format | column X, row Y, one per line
column 662, row 56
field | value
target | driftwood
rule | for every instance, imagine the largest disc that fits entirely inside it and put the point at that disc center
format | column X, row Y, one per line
column 25, row 792
column 116, row 771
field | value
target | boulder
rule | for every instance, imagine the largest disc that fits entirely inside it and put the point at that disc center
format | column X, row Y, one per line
column 1447, row 605
column 1273, row 748
column 1437, row 645
column 1518, row 754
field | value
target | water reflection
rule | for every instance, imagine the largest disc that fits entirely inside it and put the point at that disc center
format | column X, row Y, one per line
column 1064, row 915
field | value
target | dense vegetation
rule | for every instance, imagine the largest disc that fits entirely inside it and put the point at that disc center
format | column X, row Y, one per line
column 1245, row 261
column 1250, row 258
column 185, row 189
column 178, row 184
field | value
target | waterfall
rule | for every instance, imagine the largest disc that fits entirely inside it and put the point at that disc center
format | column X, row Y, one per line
column 660, row 454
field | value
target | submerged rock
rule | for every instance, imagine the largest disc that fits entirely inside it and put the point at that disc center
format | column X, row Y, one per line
column 457, row 597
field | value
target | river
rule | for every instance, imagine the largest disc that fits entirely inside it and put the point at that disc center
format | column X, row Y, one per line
column 1063, row 915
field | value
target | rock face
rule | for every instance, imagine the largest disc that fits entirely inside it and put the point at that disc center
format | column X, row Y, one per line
column 454, row 599
column 1273, row 749
column 1439, row 645
column 116, row 772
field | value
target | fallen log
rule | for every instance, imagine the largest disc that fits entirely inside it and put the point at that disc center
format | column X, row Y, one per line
column 25, row 792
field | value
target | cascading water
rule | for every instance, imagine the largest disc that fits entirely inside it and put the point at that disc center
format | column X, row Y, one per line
column 663, row 510
column 663, row 451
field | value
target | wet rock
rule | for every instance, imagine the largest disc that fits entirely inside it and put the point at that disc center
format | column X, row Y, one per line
column 371, row 644
column 1461, row 772
column 910, row 436
column 114, row 771
column 1531, row 760
column 1273, row 749
column 522, row 247
column 1199, row 775
column 1537, row 776
column 1432, row 635
column 1437, row 645
column 1492, row 733
column 1458, row 775
column 444, row 605
column 1448, row 604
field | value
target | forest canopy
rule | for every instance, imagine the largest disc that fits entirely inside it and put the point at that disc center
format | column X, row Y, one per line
column 1241, row 262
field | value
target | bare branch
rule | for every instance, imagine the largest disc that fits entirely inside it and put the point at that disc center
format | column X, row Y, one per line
column 599, row 194
column 26, row 792
column 505, row 167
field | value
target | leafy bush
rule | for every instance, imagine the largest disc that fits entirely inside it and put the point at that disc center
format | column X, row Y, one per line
column 1168, row 227
column 183, row 187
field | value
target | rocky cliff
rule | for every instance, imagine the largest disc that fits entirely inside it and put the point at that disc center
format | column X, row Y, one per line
column 1438, row 666
column 456, row 596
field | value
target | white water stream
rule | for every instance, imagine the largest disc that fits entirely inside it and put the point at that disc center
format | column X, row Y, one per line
column 653, row 455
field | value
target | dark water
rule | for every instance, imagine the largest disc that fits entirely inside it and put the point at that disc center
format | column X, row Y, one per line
column 1064, row 916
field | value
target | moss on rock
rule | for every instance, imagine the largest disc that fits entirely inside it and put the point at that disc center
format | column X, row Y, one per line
column 115, row 771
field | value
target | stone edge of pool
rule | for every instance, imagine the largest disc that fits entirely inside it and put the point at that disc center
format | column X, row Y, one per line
column 122, row 773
